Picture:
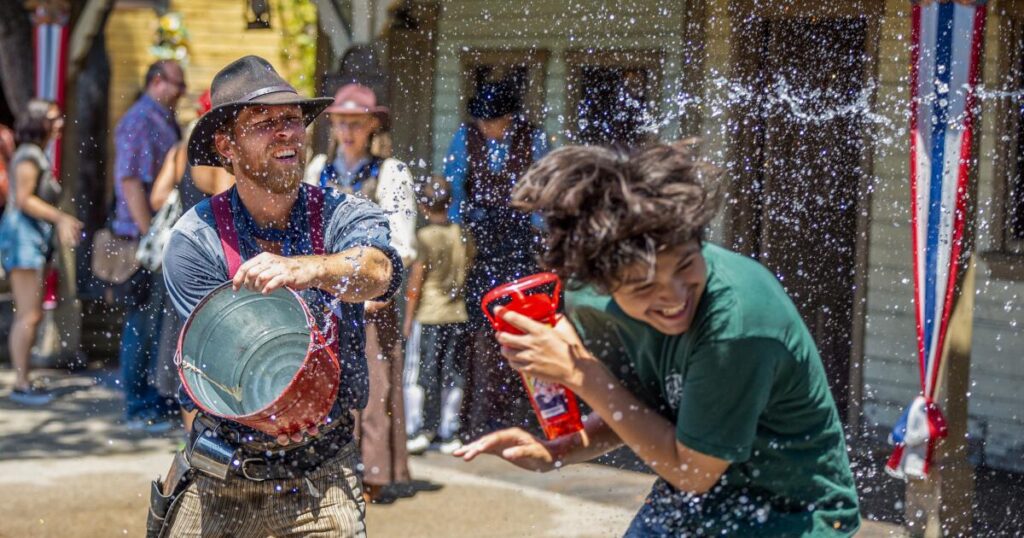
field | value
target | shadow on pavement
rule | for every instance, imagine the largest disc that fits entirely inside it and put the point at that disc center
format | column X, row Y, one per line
column 84, row 420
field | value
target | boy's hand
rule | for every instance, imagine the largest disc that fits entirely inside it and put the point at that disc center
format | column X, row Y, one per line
column 553, row 354
column 513, row 445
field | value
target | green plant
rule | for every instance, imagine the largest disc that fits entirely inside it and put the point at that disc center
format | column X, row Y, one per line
column 298, row 42
column 171, row 41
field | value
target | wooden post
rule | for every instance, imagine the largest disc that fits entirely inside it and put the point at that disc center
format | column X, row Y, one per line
column 941, row 505
column 411, row 68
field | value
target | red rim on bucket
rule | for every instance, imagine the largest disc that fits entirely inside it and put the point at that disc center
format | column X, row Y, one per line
column 258, row 360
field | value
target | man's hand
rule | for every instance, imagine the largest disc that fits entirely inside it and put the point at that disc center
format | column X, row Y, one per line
column 553, row 354
column 297, row 437
column 267, row 272
column 515, row 446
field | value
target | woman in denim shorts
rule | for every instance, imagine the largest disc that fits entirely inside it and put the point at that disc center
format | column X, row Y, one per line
column 26, row 231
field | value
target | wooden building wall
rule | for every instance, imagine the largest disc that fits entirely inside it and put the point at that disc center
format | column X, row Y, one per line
column 217, row 35
column 890, row 382
column 996, row 404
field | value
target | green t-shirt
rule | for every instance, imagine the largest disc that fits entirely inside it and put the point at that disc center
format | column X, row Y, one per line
column 745, row 384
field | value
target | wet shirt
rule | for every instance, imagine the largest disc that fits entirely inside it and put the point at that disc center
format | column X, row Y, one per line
column 194, row 265
column 456, row 163
column 745, row 384
column 142, row 139
column 444, row 253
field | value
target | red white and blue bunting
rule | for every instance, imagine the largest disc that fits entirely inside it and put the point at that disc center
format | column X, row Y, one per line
column 50, row 40
column 946, row 44
column 50, row 37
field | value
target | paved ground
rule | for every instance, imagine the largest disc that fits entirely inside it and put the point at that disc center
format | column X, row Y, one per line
column 70, row 470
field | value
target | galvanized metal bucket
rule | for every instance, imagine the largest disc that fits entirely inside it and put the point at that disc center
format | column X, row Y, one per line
column 258, row 360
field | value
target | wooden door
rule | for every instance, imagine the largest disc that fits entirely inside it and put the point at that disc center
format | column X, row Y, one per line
column 802, row 139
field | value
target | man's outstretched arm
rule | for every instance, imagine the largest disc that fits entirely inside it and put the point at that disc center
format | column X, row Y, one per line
column 354, row 275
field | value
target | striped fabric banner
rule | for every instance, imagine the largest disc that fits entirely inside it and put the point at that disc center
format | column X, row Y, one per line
column 51, row 48
column 946, row 44
column 50, row 43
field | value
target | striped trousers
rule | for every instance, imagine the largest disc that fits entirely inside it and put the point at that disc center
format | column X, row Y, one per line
column 327, row 502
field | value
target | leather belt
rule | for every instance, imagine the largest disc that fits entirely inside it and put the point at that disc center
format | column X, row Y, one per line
column 240, row 454
column 253, row 441
column 295, row 464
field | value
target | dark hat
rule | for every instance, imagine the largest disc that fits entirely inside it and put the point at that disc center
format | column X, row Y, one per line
column 494, row 100
column 247, row 81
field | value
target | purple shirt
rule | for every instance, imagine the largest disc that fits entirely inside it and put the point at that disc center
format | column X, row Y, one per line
column 143, row 137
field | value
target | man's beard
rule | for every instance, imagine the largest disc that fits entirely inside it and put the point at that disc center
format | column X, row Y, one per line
column 280, row 182
column 277, row 180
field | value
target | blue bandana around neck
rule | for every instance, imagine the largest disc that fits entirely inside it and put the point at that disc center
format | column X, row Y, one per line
column 295, row 239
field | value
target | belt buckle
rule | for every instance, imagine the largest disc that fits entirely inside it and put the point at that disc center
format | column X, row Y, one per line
column 245, row 468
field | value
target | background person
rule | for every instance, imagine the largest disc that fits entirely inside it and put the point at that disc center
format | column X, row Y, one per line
column 486, row 158
column 194, row 184
column 26, row 231
column 356, row 165
column 142, row 138
column 436, row 301
column 691, row 355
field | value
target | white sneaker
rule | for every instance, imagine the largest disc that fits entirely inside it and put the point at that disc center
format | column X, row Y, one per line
column 417, row 445
column 449, row 447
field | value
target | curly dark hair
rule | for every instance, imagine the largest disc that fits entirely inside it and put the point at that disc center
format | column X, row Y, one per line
column 606, row 210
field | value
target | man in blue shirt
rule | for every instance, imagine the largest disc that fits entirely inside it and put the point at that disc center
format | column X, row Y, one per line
column 306, row 483
column 142, row 138
column 485, row 160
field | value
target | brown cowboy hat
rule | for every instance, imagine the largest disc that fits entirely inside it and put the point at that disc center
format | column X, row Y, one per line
column 247, row 81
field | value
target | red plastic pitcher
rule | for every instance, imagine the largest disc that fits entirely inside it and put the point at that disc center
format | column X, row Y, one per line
column 555, row 406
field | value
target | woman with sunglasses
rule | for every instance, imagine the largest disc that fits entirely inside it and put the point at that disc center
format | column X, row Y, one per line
column 358, row 163
column 26, row 232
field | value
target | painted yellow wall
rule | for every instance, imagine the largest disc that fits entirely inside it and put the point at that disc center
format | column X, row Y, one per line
column 217, row 36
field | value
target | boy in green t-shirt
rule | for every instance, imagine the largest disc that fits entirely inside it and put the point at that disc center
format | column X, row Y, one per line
column 691, row 355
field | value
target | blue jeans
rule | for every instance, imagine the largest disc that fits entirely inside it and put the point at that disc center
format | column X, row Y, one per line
column 140, row 345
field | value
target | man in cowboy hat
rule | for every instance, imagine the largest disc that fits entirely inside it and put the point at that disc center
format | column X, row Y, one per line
column 487, row 156
column 307, row 483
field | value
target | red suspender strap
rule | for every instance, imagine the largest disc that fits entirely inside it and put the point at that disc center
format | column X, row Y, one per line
column 315, row 206
column 226, row 231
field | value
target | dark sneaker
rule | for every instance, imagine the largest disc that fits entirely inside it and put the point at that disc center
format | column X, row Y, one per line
column 31, row 396
column 378, row 494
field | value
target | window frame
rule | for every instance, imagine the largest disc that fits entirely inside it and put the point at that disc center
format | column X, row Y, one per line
column 535, row 59
column 576, row 60
column 1005, row 258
